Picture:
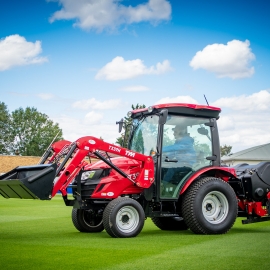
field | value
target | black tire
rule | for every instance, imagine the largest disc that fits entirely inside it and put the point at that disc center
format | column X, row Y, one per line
column 209, row 206
column 123, row 217
column 170, row 223
column 87, row 221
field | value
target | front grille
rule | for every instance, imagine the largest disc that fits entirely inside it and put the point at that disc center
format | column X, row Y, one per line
column 87, row 186
column 86, row 190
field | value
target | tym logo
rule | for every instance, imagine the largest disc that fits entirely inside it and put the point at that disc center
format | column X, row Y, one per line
column 130, row 154
column 115, row 149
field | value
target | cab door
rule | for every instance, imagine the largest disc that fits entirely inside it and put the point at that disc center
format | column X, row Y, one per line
column 185, row 154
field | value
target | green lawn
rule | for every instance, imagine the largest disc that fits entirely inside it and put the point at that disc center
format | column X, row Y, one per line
column 40, row 235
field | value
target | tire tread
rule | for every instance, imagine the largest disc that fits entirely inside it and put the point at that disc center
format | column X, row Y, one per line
column 108, row 215
column 188, row 207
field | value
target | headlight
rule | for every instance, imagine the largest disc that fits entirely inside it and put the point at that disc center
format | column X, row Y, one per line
column 87, row 175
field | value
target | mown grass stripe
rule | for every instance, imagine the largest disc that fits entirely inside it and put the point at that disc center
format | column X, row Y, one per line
column 40, row 235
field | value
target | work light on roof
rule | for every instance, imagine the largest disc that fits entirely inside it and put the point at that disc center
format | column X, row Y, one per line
column 150, row 109
column 129, row 114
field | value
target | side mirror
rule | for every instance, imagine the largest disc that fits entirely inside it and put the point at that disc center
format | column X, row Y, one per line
column 120, row 123
column 163, row 116
column 202, row 131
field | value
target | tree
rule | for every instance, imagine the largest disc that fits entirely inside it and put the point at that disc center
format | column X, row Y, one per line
column 138, row 143
column 225, row 150
column 31, row 132
column 122, row 140
column 4, row 128
column 202, row 147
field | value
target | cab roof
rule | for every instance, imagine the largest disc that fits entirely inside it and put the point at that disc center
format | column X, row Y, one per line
column 182, row 109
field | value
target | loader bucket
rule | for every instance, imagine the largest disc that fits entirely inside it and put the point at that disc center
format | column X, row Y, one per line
column 28, row 182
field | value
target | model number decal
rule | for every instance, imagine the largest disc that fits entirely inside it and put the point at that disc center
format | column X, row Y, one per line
column 115, row 149
column 130, row 154
column 133, row 176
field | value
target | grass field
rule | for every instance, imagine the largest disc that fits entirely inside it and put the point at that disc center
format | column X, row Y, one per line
column 40, row 235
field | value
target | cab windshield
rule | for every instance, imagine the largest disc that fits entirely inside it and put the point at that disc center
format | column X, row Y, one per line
column 144, row 135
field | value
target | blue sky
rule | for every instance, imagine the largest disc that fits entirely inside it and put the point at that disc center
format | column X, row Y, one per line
column 85, row 62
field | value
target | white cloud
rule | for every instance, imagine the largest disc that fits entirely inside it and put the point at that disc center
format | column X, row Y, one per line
column 226, row 122
column 75, row 128
column 92, row 103
column 120, row 69
column 45, row 96
column 246, row 133
column 135, row 88
column 244, row 122
column 92, row 118
column 101, row 14
column 253, row 103
column 231, row 60
column 16, row 51
column 178, row 99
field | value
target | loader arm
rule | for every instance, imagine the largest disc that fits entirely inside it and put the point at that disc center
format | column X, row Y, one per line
column 91, row 146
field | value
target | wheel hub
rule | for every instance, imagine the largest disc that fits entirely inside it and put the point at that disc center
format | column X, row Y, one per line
column 208, row 207
column 215, row 207
column 127, row 219
column 92, row 219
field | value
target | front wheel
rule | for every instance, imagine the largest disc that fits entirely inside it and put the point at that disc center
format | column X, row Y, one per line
column 87, row 220
column 209, row 206
column 123, row 217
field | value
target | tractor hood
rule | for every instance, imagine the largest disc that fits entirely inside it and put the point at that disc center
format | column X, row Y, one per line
column 100, row 180
column 123, row 163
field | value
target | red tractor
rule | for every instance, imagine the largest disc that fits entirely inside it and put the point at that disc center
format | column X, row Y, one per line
column 176, row 181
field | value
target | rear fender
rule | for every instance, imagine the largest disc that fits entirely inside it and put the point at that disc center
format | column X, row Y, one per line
column 225, row 173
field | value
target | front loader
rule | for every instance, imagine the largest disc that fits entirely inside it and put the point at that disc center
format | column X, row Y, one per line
column 178, row 189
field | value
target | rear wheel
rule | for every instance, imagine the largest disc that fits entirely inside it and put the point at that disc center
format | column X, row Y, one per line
column 87, row 220
column 170, row 223
column 210, row 206
column 123, row 217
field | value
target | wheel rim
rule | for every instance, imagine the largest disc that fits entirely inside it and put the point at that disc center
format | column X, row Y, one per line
column 91, row 220
column 127, row 219
column 215, row 207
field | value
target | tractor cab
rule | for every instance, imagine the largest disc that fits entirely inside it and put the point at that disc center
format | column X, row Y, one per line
column 181, row 140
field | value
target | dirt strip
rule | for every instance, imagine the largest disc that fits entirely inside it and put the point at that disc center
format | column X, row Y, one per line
column 8, row 163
